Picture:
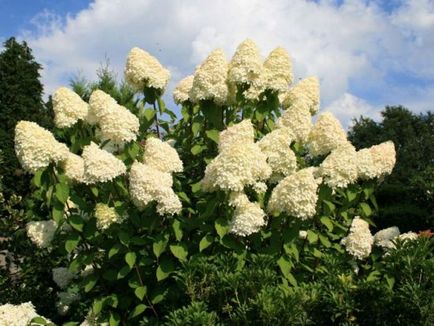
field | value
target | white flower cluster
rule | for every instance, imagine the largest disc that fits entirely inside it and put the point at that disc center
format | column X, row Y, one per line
column 148, row 184
column 62, row 277
column 277, row 70
column 246, row 64
column 359, row 241
column 143, row 70
column 36, row 147
column 105, row 216
column 181, row 92
column 116, row 122
column 209, row 81
column 280, row 157
column 386, row 238
column 17, row 315
column 408, row 236
column 68, row 108
column 296, row 195
column 326, row 135
column 383, row 157
column 73, row 166
column 100, row 165
column 161, row 156
column 307, row 90
column 298, row 120
column 239, row 163
column 41, row 233
column 248, row 217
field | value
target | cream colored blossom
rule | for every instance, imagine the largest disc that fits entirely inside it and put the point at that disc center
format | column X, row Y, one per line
column 116, row 122
column 106, row 216
column 260, row 187
column 339, row 169
column 148, row 184
column 278, row 70
column 143, row 70
column 326, row 135
column 280, row 157
column 242, row 133
column 248, row 217
column 62, row 276
column 359, row 241
column 161, row 156
column 73, row 166
column 384, row 158
column 238, row 165
column 246, row 64
column 100, row 165
column 41, row 233
column 296, row 195
column 383, row 238
column 68, row 108
column 209, row 81
column 182, row 90
column 408, row 236
column 307, row 90
column 36, row 147
column 298, row 120
column 365, row 164
column 17, row 315
column 302, row 234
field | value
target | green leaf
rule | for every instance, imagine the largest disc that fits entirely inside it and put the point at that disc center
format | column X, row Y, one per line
column 327, row 222
column 77, row 222
column 373, row 276
column 90, row 282
column 184, row 197
column 138, row 310
column 159, row 246
column 97, row 306
column 221, row 226
column 196, row 149
column 177, row 229
column 38, row 321
column 291, row 279
column 114, row 319
column 330, row 205
column 72, row 242
column 195, row 187
column 351, row 195
column 366, row 209
column 180, row 251
column 130, row 258
column 62, row 192
column 94, row 190
column 149, row 114
column 164, row 269
column 197, row 125
column 325, row 241
column 205, row 242
column 133, row 150
column 124, row 238
column 57, row 212
column 114, row 250
column 312, row 237
column 285, row 265
column 140, row 292
column 123, row 272
column 213, row 135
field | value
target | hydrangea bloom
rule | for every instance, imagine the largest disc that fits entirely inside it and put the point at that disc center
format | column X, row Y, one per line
column 383, row 238
column 106, row 216
column 17, row 315
column 62, row 277
column 36, row 147
column 143, row 70
column 339, row 169
column 246, row 64
column 307, row 90
column 408, row 236
column 148, row 184
column 384, row 158
column 302, row 234
column 161, row 156
column 326, row 135
column 241, row 133
column 278, row 70
column 68, row 108
column 182, row 90
column 73, row 166
column 209, row 81
column 359, row 241
column 365, row 164
column 100, row 165
column 296, row 194
column 236, row 166
column 41, row 233
column 298, row 120
column 280, row 157
column 116, row 122
column 248, row 217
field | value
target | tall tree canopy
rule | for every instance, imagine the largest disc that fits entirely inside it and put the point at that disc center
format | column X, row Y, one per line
column 408, row 193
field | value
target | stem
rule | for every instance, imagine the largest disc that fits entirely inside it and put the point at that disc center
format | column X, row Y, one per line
column 141, row 283
column 156, row 120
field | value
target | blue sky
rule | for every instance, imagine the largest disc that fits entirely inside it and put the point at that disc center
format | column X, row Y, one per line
column 367, row 54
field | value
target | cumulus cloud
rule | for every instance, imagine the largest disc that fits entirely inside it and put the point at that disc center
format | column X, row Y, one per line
column 353, row 46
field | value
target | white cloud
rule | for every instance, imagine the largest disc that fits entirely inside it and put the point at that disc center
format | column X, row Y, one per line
column 356, row 43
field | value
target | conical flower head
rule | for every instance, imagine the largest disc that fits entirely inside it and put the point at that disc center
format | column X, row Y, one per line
column 68, row 108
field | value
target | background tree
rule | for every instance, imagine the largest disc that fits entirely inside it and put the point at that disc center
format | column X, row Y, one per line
column 407, row 194
column 20, row 99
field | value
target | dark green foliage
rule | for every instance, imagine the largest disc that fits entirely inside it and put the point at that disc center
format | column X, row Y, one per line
column 407, row 194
